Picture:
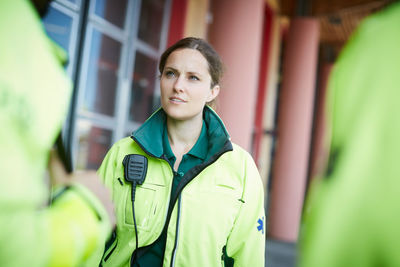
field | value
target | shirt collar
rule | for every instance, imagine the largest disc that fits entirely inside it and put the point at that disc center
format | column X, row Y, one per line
column 166, row 146
column 199, row 150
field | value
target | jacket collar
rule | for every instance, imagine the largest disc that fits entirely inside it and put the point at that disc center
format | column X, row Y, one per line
column 149, row 135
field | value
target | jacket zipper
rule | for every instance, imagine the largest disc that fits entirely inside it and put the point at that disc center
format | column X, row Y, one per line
column 227, row 147
column 166, row 215
column 176, row 232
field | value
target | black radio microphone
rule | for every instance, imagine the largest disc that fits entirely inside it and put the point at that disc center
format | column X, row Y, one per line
column 135, row 169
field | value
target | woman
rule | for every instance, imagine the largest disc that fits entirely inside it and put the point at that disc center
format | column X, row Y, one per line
column 201, row 201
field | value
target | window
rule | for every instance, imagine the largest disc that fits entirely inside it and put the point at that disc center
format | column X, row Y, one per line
column 114, row 46
column 61, row 24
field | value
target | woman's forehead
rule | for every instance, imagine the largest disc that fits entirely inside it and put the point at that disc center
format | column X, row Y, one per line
column 188, row 60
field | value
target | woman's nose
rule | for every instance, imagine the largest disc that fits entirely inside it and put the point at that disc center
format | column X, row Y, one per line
column 179, row 84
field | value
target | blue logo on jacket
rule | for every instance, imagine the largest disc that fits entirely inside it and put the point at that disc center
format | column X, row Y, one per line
column 260, row 226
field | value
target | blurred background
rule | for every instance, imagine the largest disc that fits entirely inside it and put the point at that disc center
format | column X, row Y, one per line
column 277, row 56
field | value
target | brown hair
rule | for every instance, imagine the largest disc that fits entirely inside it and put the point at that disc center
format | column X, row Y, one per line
column 215, row 67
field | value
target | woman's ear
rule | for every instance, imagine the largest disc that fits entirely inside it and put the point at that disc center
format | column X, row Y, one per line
column 214, row 92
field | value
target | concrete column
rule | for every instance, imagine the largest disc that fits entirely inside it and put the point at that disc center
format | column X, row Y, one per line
column 236, row 34
column 294, row 129
column 196, row 19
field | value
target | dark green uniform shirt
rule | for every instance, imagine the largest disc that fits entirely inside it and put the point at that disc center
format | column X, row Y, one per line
column 196, row 156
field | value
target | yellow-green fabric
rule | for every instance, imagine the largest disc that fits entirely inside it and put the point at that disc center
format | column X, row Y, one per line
column 34, row 94
column 223, row 205
column 352, row 216
column 195, row 156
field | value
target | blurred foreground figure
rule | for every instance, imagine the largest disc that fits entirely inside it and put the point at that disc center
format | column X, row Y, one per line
column 34, row 93
column 352, row 217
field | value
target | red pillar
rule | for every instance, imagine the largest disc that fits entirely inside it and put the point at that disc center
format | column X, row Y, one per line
column 294, row 129
column 177, row 21
column 236, row 34
column 262, row 83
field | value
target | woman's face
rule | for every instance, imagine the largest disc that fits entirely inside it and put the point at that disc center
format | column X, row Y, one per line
column 185, row 85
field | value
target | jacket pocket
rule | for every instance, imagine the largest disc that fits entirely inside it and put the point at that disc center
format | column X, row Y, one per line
column 148, row 203
column 110, row 247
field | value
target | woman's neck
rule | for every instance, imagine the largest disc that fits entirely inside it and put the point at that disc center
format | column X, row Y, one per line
column 183, row 135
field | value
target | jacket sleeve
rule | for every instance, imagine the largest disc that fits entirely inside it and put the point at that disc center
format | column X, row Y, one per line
column 34, row 234
column 246, row 243
column 107, row 168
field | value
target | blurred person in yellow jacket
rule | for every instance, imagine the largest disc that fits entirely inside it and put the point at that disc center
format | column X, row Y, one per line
column 352, row 216
column 34, row 96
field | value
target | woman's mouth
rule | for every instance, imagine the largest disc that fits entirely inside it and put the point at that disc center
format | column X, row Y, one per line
column 176, row 99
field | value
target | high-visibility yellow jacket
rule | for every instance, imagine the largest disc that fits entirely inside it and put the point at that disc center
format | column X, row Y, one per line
column 352, row 216
column 219, row 205
column 34, row 94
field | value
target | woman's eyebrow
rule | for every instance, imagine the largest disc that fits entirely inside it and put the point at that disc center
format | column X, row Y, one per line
column 194, row 72
column 188, row 72
column 170, row 68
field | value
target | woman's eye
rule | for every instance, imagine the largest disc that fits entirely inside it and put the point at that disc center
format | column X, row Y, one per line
column 193, row 78
column 169, row 74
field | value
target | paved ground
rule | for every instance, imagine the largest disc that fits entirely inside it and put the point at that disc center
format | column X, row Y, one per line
column 280, row 254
